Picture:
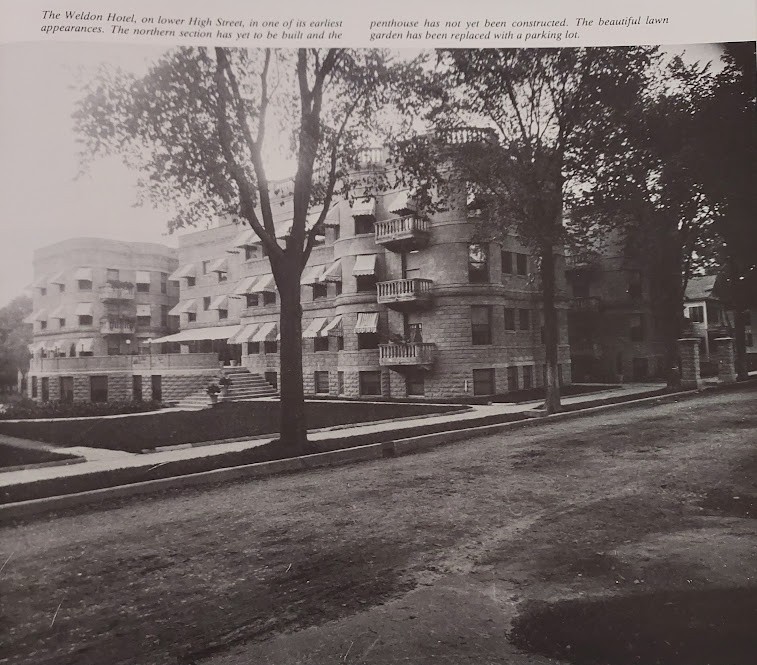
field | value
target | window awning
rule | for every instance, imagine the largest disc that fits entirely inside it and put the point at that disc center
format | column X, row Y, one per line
column 50, row 345
column 245, row 334
column 367, row 322
column 265, row 283
column 40, row 282
column 333, row 273
column 84, row 309
column 365, row 264
column 400, row 203
column 58, row 313
column 183, row 307
column 144, row 310
column 315, row 327
column 334, row 327
column 311, row 275
column 143, row 277
column 244, row 286
column 219, row 265
column 84, row 274
column 85, row 345
column 187, row 270
column 199, row 334
column 58, row 278
column 246, row 238
column 34, row 347
column 39, row 315
column 267, row 333
column 63, row 345
column 219, row 302
column 364, row 207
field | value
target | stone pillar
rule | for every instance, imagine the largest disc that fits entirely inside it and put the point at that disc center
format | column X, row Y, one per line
column 726, row 359
column 688, row 349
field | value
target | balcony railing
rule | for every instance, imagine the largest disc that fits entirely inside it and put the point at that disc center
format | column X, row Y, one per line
column 142, row 362
column 466, row 135
column 403, row 233
column 117, row 327
column 401, row 292
column 586, row 304
column 110, row 292
column 407, row 355
column 377, row 156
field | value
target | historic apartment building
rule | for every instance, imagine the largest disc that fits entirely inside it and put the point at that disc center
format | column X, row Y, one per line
column 395, row 304
column 96, row 306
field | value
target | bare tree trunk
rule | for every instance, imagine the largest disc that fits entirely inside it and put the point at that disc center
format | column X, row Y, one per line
column 739, row 320
column 293, row 428
column 551, row 330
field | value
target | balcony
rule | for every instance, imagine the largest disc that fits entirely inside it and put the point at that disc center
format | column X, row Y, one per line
column 403, row 234
column 467, row 135
column 405, row 294
column 586, row 304
column 407, row 355
column 111, row 293
column 117, row 327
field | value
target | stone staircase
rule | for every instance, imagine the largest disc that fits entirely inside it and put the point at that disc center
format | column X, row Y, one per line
column 244, row 386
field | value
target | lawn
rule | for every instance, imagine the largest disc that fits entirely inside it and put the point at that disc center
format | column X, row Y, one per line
column 16, row 456
column 225, row 421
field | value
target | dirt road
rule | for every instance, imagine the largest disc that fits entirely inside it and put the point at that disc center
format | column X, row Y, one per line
column 622, row 538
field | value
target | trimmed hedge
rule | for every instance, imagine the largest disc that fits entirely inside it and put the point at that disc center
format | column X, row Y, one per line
column 28, row 409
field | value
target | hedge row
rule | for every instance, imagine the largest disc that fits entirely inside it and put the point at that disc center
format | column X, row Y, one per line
column 28, row 409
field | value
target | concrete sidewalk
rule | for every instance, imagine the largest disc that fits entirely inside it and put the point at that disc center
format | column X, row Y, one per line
column 101, row 459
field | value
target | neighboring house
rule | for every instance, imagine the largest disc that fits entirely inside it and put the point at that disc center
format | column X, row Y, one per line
column 707, row 314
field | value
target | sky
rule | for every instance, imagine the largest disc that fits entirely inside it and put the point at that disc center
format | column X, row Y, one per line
column 41, row 201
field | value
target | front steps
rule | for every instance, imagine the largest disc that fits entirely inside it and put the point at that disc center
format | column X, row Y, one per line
column 244, row 386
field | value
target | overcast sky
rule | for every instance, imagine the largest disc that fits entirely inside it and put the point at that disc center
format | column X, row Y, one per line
column 40, row 202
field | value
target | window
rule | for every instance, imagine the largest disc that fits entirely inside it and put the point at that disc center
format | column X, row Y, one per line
column 111, row 275
column 205, row 265
column 273, row 379
column 414, row 333
column 156, row 383
column 367, row 341
column 320, row 291
column 512, row 379
column 337, row 232
column 114, row 347
column 191, row 281
column 206, row 303
column 322, row 382
column 67, row 389
column 696, row 314
column 61, row 323
column 61, row 288
column 222, row 276
column 713, row 313
column 143, row 287
column 483, row 381
column 85, row 284
column 747, row 318
column 223, row 314
column 320, row 344
column 521, row 264
column 253, row 348
column 269, row 298
column 136, row 388
column 364, row 224
column 340, row 343
column 481, row 329
column 85, row 320
column 98, row 388
column 749, row 340
column 528, row 377
column 637, row 327
column 365, row 283
column 509, row 318
column 524, row 319
column 580, row 287
column 415, row 383
column 45, row 388
column 340, row 383
column 252, row 299
column 507, row 262
column 338, row 286
column 42, row 291
column 163, row 282
column 370, row 383
column 250, row 253
column 191, row 317
column 43, row 325
column 270, row 346
column 634, row 286
column 478, row 264
column 144, row 321
column 34, row 386
column 164, row 315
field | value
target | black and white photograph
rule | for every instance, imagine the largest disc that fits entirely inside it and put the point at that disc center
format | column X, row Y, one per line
column 332, row 356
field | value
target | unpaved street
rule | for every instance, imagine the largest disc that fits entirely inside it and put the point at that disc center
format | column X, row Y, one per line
column 627, row 537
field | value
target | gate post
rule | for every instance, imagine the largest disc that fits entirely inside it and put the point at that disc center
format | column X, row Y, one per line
column 688, row 349
column 726, row 360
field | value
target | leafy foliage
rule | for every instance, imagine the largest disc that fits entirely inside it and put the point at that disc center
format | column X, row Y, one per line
column 15, row 336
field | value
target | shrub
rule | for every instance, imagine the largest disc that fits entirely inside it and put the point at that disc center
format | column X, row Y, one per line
column 28, row 409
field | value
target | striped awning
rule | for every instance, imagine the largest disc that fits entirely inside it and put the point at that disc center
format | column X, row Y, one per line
column 333, row 273
column 144, row 310
column 183, row 307
column 84, row 274
column 364, row 207
column 143, row 277
column 85, row 345
column 84, row 309
column 58, row 278
column 34, row 347
column 266, row 283
column 40, row 282
column 334, row 327
column 267, row 332
column 400, row 203
column 365, row 264
column 245, row 334
column 311, row 275
column 187, row 270
column 367, row 322
column 219, row 302
column 314, row 328
column 244, row 286
column 246, row 238
column 58, row 313
column 219, row 265
column 199, row 334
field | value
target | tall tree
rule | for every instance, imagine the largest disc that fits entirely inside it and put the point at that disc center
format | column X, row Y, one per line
column 550, row 110
column 201, row 126
column 15, row 336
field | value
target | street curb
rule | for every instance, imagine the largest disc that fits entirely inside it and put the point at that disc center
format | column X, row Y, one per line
column 390, row 448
